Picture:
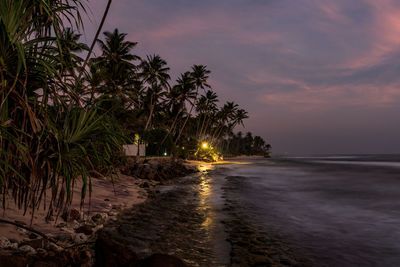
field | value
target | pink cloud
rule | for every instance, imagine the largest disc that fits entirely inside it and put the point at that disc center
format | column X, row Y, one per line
column 319, row 99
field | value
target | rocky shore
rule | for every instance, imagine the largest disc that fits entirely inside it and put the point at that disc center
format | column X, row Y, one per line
column 75, row 237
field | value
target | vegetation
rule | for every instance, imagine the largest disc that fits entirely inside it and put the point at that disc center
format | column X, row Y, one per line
column 63, row 118
column 245, row 145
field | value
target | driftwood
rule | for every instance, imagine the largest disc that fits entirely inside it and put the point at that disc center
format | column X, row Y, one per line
column 29, row 229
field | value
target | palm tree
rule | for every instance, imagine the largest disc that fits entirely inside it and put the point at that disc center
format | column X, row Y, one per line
column 116, row 61
column 70, row 47
column 225, row 117
column 183, row 91
column 154, row 73
column 200, row 76
column 210, row 101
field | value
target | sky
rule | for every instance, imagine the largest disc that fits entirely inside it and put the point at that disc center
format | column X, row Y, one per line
column 316, row 76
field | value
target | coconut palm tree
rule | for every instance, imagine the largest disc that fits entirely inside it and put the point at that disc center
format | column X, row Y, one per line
column 116, row 62
column 210, row 100
column 154, row 74
column 200, row 76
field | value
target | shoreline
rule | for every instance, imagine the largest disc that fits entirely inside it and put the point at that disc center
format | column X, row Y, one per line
column 190, row 220
column 69, row 238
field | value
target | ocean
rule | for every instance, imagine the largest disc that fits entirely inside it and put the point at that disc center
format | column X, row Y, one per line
column 341, row 210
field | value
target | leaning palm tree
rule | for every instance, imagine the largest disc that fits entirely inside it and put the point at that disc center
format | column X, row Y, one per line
column 224, row 119
column 182, row 92
column 154, row 74
column 200, row 76
column 210, row 100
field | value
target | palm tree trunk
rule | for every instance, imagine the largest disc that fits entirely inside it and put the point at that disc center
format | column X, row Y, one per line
column 202, row 125
column 172, row 126
column 151, row 113
column 95, row 39
column 190, row 113
column 183, row 127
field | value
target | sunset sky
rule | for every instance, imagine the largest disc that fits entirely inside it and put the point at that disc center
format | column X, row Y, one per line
column 316, row 76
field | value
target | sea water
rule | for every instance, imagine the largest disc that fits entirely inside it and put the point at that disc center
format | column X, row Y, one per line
column 341, row 210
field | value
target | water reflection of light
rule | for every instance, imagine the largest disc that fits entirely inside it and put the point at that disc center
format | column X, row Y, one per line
column 204, row 191
column 203, row 168
column 204, row 195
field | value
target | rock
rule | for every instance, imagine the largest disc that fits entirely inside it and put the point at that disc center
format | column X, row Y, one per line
column 60, row 225
column 20, row 222
column 13, row 245
column 112, row 213
column 63, row 236
column 117, row 207
column 42, row 252
column 53, row 247
column 4, row 242
column 80, row 238
column 73, row 225
column 99, row 218
column 85, row 229
column 71, row 215
column 12, row 240
column 110, row 251
column 106, row 199
column 33, row 236
column 35, row 243
column 145, row 185
column 28, row 249
column 67, row 230
column 21, row 230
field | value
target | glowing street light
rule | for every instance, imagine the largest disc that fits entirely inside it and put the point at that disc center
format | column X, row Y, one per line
column 204, row 145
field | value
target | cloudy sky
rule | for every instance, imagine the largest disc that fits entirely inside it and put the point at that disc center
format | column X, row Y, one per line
column 316, row 76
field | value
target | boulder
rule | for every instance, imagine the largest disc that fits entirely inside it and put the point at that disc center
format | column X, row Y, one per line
column 27, row 250
column 71, row 215
column 53, row 247
column 35, row 243
column 4, row 242
column 99, row 218
column 63, row 236
column 111, row 251
column 85, row 229
column 80, row 238
column 73, row 224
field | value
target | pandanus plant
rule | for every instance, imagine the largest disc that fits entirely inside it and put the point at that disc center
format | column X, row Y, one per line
column 47, row 140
